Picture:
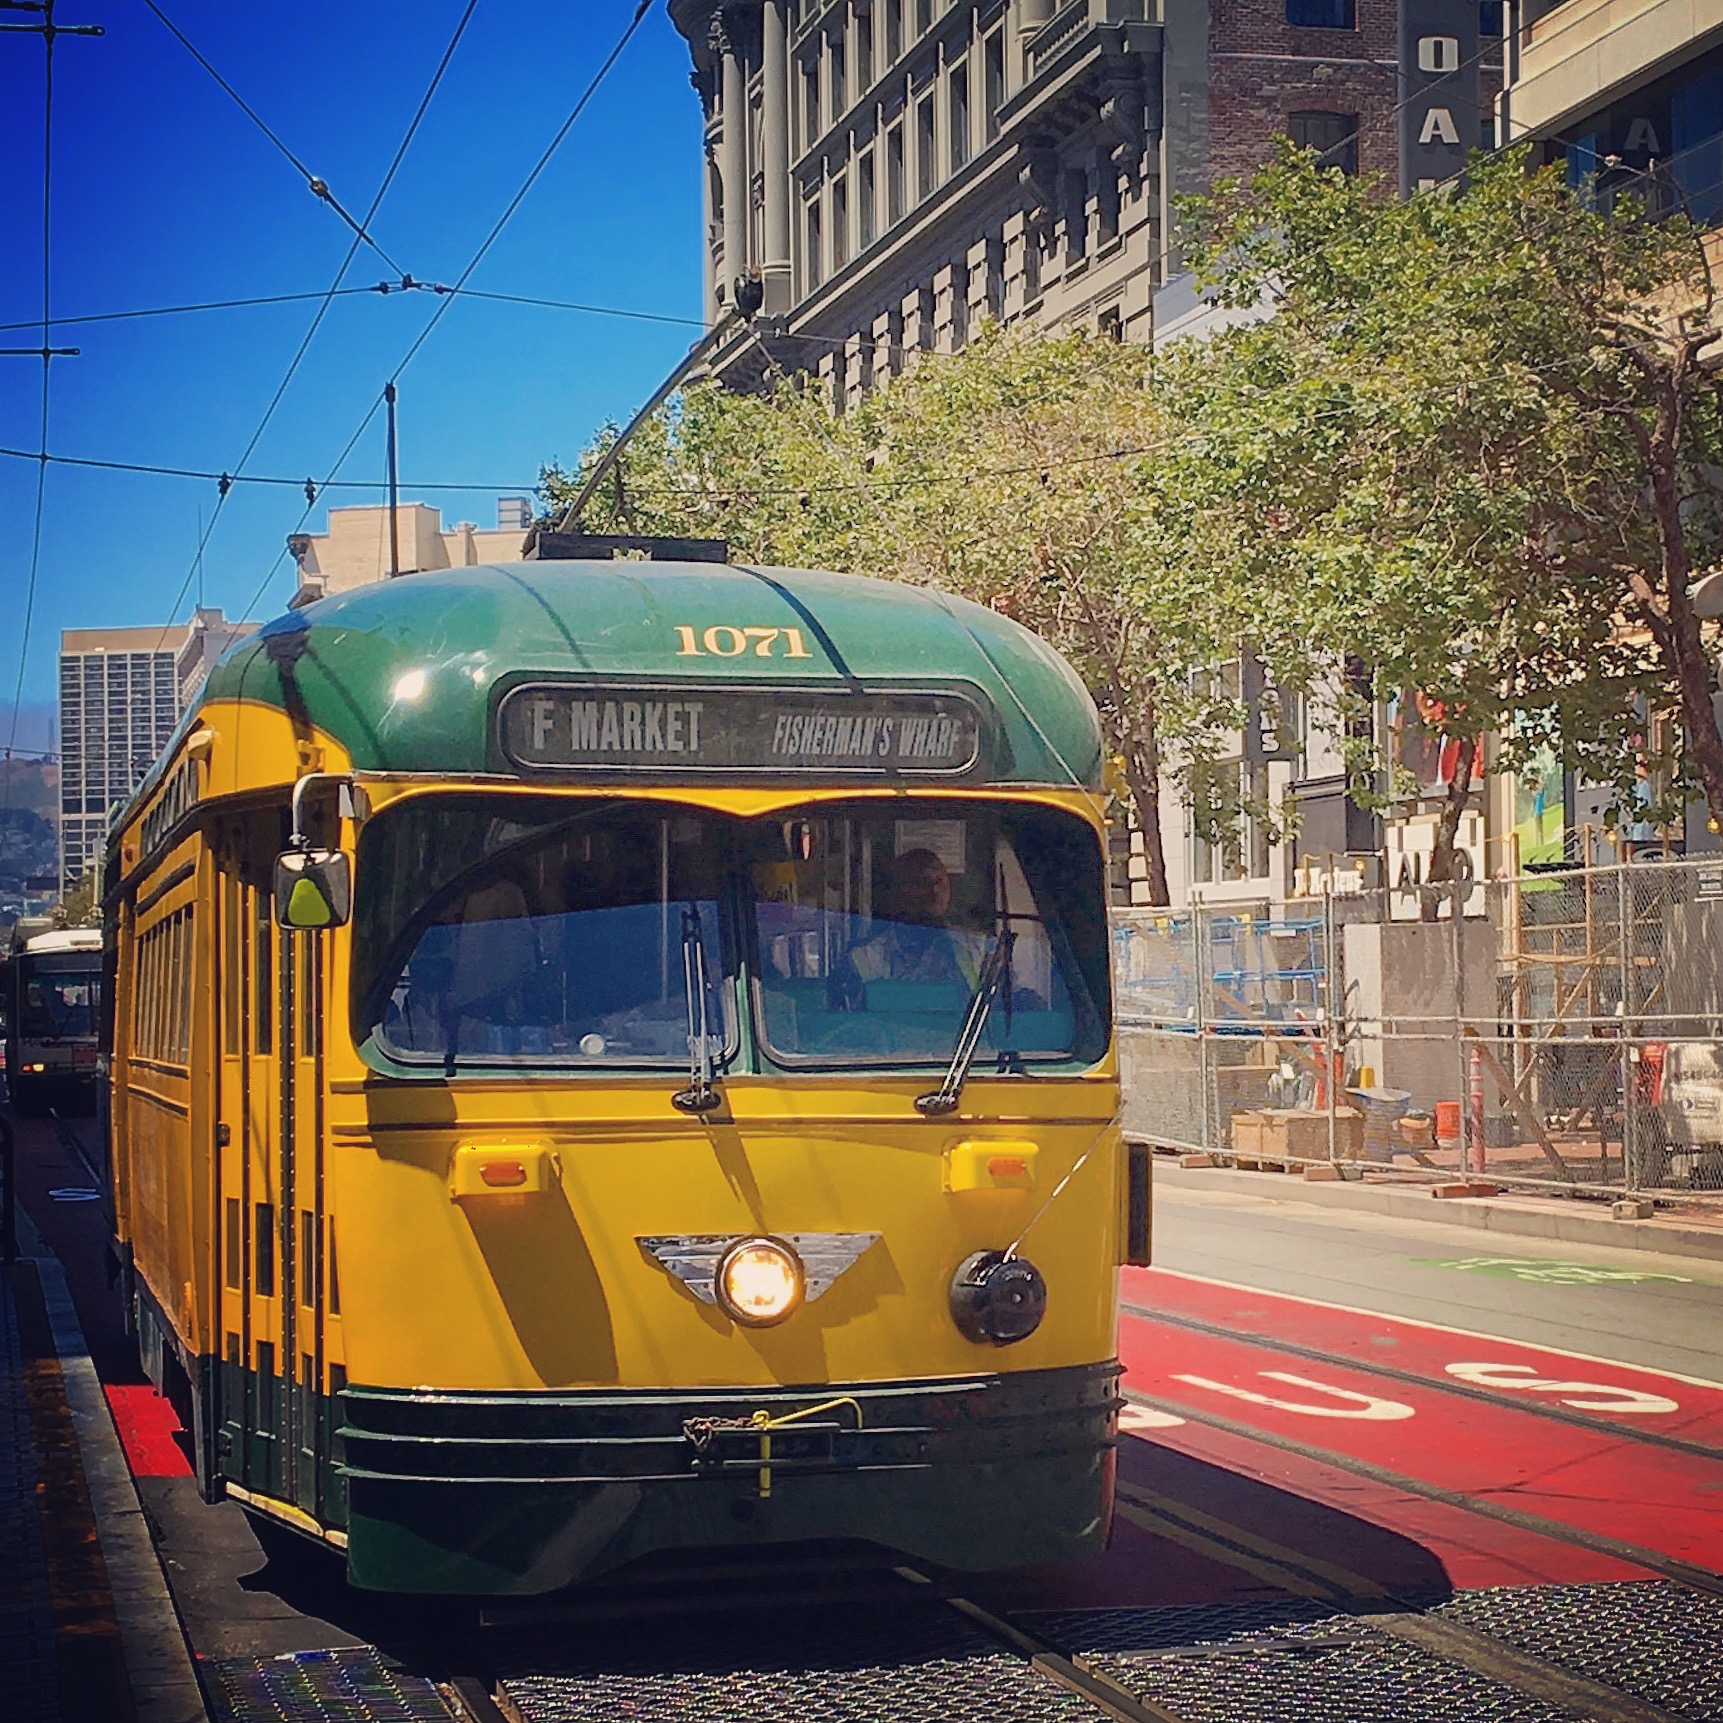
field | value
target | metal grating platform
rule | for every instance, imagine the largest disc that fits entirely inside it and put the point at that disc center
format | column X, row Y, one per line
column 906, row 1665
column 1265, row 1663
column 1089, row 1632
column 1652, row 1639
column 319, row 1687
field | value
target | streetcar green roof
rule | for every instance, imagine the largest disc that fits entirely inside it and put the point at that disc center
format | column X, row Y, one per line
column 404, row 673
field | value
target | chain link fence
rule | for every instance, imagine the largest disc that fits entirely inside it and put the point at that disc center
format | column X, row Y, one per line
column 1563, row 1030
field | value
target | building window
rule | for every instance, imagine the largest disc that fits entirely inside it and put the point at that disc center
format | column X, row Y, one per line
column 893, row 31
column 958, row 115
column 864, row 52
column 1696, row 149
column 1110, row 325
column 894, row 182
column 923, row 16
column 814, row 239
column 1076, row 214
column 864, row 201
column 926, row 167
column 1322, row 14
column 840, row 223
column 994, row 75
column 1490, row 14
column 835, row 59
column 1334, row 137
column 811, row 101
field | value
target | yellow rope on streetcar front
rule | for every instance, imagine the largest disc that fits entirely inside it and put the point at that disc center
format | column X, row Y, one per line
column 765, row 1423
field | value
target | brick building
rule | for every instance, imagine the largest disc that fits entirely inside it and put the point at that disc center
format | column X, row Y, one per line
column 1325, row 72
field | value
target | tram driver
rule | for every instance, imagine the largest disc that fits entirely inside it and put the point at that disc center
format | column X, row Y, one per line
column 921, row 941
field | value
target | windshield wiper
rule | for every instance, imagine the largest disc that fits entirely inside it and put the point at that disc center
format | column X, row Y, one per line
column 994, row 967
column 700, row 1096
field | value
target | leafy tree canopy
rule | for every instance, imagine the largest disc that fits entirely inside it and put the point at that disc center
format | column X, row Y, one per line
column 1474, row 452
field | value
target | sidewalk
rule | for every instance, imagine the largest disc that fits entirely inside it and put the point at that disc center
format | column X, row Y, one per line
column 1692, row 1229
column 88, row 1632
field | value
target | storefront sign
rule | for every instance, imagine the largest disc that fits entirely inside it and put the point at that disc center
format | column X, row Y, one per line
column 1439, row 117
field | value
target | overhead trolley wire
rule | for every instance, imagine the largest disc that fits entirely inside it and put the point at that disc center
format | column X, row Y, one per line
column 318, row 186
column 225, row 481
column 380, row 288
column 179, row 310
column 271, row 479
column 502, row 221
column 641, row 9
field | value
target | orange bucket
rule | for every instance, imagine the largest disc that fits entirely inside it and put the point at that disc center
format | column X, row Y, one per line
column 1447, row 1121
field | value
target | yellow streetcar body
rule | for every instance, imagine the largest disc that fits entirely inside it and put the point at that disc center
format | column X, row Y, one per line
column 494, row 1288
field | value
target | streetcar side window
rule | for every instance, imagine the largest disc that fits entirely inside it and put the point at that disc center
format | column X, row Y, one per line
column 233, row 979
column 263, row 969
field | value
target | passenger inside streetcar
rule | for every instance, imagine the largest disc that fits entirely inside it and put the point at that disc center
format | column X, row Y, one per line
column 561, row 946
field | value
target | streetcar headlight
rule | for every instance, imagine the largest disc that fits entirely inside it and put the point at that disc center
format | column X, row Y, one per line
column 760, row 1281
column 996, row 1299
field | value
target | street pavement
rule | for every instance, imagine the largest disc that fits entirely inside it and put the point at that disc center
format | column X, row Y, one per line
column 1334, row 1403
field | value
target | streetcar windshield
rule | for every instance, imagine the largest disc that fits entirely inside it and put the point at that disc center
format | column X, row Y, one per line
column 874, row 923
column 519, row 933
column 497, row 933
column 58, row 994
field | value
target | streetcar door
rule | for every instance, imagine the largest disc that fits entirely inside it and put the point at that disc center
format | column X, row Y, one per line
column 303, row 966
column 247, row 1136
column 233, row 1237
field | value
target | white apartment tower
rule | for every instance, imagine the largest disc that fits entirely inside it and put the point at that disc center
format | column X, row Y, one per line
column 121, row 693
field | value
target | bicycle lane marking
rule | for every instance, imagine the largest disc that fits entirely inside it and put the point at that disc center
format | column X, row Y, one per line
column 1598, row 1478
column 1595, row 1390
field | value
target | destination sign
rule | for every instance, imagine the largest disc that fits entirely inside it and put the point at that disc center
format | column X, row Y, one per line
column 669, row 729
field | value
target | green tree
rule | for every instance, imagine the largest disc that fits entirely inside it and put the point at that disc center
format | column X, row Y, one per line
column 78, row 907
column 1037, row 474
column 1476, row 447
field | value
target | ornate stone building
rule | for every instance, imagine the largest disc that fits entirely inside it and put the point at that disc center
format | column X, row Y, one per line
column 884, row 174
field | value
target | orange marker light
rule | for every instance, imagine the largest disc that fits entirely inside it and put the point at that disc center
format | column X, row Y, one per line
column 503, row 1173
column 1007, row 1167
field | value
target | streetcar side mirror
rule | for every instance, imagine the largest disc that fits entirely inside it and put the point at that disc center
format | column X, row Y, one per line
column 313, row 888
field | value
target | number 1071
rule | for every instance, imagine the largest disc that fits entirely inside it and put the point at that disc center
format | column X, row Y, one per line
column 723, row 641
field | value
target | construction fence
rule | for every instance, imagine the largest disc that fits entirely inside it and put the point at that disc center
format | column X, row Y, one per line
column 1564, row 1029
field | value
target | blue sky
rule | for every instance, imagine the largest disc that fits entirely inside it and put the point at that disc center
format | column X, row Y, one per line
column 165, row 193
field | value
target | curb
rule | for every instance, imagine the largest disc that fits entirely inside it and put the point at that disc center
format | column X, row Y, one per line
column 165, row 1687
column 1560, row 1219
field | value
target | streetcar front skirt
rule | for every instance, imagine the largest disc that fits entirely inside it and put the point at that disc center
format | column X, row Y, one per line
column 516, row 1493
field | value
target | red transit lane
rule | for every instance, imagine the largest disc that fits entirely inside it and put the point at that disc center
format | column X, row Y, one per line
column 1615, row 1395
column 1598, row 1469
column 1389, row 1538
column 149, row 1431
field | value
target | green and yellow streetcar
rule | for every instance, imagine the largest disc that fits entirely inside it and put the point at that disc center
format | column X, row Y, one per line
column 615, row 1058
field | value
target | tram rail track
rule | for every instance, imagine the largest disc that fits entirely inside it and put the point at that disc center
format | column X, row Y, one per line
column 1653, row 1561
column 1453, row 1387
column 498, row 1696
column 1320, row 1634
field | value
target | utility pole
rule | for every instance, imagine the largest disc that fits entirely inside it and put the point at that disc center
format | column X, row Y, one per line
column 391, row 456
column 48, row 30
